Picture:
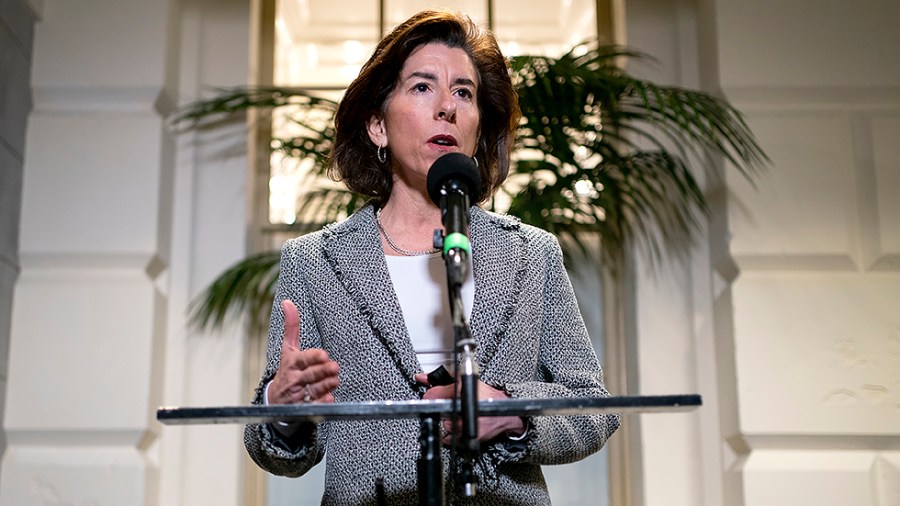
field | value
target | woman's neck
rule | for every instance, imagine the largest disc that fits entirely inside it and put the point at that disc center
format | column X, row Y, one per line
column 409, row 219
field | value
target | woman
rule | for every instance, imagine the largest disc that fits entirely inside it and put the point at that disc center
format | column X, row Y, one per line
column 349, row 324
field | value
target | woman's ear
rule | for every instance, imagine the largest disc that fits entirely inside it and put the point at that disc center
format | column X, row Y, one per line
column 376, row 130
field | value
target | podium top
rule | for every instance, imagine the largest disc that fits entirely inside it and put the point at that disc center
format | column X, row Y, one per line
column 420, row 408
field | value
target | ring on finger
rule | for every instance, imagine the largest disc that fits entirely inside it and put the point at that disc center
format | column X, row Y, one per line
column 307, row 395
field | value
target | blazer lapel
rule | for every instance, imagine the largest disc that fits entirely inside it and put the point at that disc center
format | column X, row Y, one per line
column 498, row 259
column 353, row 249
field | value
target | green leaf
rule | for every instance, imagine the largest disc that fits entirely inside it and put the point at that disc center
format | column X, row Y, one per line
column 630, row 146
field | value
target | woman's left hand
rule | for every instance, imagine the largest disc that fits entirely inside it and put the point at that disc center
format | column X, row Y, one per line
column 489, row 427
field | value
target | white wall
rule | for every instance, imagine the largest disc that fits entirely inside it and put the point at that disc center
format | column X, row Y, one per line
column 672, row 304
column 792, row 337
column 16, row 33
column 122, row 224
column 816, row 326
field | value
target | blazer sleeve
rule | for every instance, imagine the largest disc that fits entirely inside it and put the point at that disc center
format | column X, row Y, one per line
column 567, row 367
column 266, row 446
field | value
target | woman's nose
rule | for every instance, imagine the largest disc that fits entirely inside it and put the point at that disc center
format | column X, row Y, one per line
column 446, row 109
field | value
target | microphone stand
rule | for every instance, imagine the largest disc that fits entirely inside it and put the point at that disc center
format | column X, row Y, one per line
column 457, row 251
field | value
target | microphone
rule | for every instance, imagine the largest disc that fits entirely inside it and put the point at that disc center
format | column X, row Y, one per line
column 452, row 178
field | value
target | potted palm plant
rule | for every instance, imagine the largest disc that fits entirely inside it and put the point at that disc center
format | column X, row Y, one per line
column 599, row 153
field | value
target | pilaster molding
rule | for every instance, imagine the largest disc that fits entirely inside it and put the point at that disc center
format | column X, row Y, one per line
column 103, row 100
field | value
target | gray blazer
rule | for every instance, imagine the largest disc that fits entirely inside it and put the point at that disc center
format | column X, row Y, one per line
column 531, row 339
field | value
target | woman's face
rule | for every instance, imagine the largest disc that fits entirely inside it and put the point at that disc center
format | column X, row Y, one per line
column 433, row 110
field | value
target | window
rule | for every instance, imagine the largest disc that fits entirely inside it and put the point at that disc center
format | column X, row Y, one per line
column 320, row 45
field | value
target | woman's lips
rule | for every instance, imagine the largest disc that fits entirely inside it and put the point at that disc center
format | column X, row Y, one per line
column 443, row 140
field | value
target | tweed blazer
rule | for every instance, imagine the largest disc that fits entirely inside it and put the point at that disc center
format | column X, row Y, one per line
column 531, row 342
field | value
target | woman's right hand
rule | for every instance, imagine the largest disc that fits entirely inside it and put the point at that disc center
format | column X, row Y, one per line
column 303, row 375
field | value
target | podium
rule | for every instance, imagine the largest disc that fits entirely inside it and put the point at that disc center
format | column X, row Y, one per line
column 429, row 413
column 418, row 409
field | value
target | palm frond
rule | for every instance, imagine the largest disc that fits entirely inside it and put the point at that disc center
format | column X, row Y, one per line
column 247, row 287
column 599, row 152
column 632, row 138
column 231, row 101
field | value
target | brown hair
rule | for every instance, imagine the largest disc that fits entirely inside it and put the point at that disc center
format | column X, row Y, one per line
column 353, row 157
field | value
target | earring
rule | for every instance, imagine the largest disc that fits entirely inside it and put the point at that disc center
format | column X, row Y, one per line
column 475, row 159
column 380, row 152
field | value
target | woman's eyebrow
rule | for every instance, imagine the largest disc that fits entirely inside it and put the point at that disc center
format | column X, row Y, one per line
column 432, row 77
column 422, row 75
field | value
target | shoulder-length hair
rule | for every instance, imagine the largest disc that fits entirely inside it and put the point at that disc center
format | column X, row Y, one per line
column 354, row 157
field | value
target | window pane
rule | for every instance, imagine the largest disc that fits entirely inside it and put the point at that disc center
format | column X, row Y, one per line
column 319, row 45
column 538, row 27
column 322, row 43
column 397, row 11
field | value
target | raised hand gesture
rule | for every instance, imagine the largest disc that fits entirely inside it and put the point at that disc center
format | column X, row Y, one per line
column 303, row 375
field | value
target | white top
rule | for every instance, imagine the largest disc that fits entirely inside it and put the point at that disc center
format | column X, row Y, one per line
column 420, row 283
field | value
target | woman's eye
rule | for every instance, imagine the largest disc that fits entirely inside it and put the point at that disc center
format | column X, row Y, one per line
column 465, row 93
column 421, row 87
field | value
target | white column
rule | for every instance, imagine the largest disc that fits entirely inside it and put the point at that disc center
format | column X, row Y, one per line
column 792, row 336
column 673, row 303
column 205, row 464
column 816, row 320
column 17, row 21
column 89, row 310
column 122, row 224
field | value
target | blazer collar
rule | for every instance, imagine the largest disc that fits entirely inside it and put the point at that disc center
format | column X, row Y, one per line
column 498, row 261
column 353, row 249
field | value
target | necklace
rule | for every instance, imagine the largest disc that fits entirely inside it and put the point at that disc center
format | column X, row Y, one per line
column 398, row 249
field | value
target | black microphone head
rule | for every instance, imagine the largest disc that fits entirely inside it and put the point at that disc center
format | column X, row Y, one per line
column 453, row 166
